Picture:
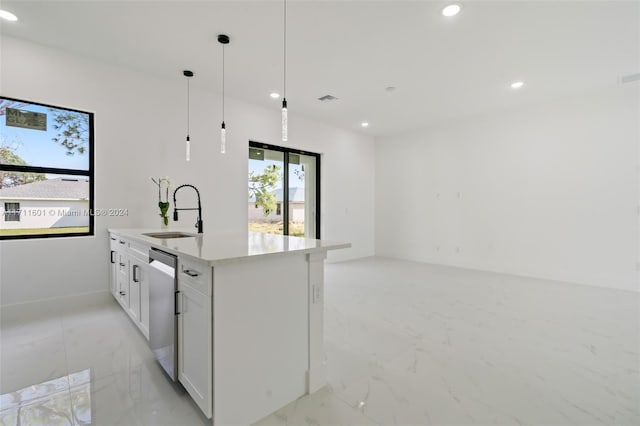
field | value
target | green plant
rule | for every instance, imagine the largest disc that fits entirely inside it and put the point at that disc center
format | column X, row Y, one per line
column 260, row 186
column 163, row 205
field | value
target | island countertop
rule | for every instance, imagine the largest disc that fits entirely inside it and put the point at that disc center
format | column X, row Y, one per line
column 223, row 248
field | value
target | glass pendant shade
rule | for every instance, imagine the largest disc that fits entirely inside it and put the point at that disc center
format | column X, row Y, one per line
column 285, row 122
column 188, row 148
column 223, row 139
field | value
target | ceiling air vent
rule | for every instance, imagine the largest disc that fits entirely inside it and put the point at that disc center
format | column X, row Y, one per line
column 327, row 98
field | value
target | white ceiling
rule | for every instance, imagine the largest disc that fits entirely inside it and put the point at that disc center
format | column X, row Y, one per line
column 443, row 68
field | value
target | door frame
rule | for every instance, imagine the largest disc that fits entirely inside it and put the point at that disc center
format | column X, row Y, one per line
column 285, row 191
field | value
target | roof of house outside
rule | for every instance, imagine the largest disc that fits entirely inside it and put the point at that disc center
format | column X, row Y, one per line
column 296, row 195
column 50, row 189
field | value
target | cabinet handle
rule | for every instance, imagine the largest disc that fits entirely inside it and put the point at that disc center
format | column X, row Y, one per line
column 121, row 242
column 112, row 259
column 135, row 276
column 175, row 303
column 122, row 264
column 113, row 238
column 190, row 273
column 123, row 293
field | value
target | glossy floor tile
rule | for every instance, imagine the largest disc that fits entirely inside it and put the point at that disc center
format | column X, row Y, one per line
column 406, row 344
column 415, row 344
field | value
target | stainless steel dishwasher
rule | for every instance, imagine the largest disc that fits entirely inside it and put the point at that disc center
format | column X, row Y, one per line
column 163, row 314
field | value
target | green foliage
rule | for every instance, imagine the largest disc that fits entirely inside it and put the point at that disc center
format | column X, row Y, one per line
column 261, row 185
column 7, row 179
column 164, row 208
column 163, row 205
column 73, row 130
column 40, row 231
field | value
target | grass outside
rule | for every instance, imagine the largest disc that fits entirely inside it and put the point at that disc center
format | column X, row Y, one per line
column 296, row 229
column 44, row 231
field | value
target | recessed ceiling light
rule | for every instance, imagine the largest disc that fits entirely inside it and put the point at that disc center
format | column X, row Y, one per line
column 390, row 89
column 364, row 124
column 8, row 16
column 274, row 95
column 451, row 10
column 517, row 84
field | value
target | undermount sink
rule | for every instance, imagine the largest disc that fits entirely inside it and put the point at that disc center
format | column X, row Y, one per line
column 167, row 235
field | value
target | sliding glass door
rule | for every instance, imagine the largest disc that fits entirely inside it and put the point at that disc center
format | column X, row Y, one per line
column 284, row 191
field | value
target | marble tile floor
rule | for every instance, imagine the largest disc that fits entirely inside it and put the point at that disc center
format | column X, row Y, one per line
column 406, row 344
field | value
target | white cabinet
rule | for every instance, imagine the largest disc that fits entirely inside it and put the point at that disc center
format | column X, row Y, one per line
column 194, row 345
column 138, row 308
column 129, row 280
column 123, row 280
column 133, row 309
column 249, row 333
column 113, row 273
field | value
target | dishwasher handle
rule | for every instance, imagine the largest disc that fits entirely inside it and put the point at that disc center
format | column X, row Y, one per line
column 162, row 257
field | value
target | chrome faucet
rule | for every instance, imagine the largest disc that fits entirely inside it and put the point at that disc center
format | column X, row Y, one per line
column 199, row 208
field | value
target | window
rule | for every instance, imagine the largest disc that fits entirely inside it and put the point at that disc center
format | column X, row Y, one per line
column 46, row 170
column 284, row 191
column 12, row 212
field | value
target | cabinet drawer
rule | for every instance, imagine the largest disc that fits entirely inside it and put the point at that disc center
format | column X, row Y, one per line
column 139, row 251
column 195, row 274
column 113, row 242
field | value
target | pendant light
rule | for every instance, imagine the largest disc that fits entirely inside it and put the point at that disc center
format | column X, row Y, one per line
column 223, row 39
column 188, row 74
column 285, row 119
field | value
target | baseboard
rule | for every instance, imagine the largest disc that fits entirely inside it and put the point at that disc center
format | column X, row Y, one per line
column 506, row 272
column 36, row 309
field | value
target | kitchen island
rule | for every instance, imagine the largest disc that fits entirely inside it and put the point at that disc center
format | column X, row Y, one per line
column 249, row 310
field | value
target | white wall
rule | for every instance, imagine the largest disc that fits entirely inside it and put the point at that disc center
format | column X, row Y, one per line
column 47, row 213
column 140, row 130
column 547, row 191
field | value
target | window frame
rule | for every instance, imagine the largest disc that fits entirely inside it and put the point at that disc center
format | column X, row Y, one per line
column 13, row 212
column 59, row 171
column 285, row 192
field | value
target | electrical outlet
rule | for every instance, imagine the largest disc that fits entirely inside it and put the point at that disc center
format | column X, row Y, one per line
column 316, row 293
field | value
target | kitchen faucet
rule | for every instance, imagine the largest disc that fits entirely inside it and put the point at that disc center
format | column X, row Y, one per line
column 199, row 208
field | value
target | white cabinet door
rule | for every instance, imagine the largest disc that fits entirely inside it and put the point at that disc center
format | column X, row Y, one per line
column 129, row 279
column 194, row 346
column 134, row 290
column 113, row 273
column 123, row 280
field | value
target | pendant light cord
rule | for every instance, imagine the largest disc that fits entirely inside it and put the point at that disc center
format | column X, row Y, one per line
column 188, row 112
column 285, row 51
column 223, row 83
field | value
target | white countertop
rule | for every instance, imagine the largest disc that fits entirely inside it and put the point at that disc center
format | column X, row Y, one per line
column 218, row 249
